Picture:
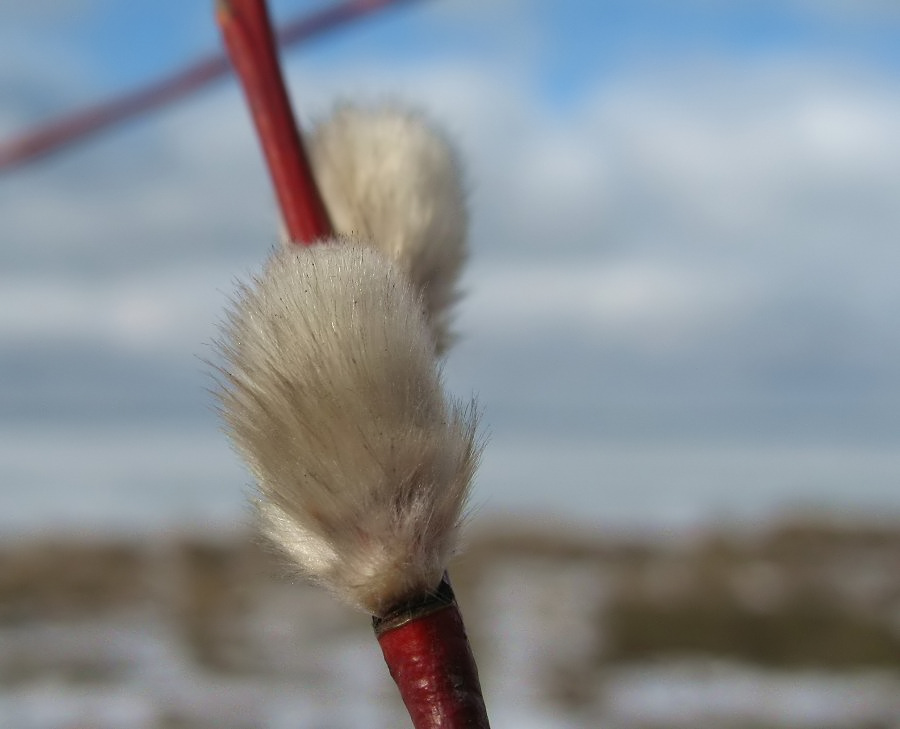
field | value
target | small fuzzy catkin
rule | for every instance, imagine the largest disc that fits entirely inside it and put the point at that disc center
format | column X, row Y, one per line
column 390, row 176
column 331, row 393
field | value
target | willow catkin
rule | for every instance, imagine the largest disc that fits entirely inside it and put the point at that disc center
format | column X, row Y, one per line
column 390, row 176
column 331, row 393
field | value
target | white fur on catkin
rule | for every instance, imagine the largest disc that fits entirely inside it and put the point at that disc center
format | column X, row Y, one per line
column 389, row 176
column 332, row 395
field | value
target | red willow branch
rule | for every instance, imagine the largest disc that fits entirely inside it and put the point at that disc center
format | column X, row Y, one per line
column 332, row 393
column 59, row 133
column 251, row 46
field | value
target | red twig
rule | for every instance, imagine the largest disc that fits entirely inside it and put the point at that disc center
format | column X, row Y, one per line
column 251, row 46
column 58, row 133
column 428, row 654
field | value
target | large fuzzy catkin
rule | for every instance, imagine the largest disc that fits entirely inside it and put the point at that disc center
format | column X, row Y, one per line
column 332, row 395
column 390, row 176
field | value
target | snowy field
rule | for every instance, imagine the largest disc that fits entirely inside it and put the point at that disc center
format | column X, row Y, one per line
column 793, row 628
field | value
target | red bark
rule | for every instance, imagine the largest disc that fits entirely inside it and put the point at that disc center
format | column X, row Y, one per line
column 251, row 46
column 429, row 657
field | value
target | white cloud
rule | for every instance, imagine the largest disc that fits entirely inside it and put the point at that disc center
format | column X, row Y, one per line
column 678, row 242
column 684, row 484
column 645, row 306
column 160, row 313
column 664, row 208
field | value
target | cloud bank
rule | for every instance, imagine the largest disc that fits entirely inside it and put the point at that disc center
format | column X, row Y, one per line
column 702, row 251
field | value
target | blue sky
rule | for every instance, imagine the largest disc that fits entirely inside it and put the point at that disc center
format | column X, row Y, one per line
column 682, row 296
column 564, row 46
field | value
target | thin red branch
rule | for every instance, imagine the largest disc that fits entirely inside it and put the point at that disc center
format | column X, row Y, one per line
column 251, row 46
column 428, row 654
column 58, row 133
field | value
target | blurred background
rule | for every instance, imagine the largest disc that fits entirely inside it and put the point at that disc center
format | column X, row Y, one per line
column 680, row 323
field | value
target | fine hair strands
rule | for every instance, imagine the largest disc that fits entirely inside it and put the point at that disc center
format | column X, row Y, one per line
column 331, row 391
column 391, row 176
